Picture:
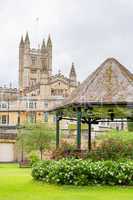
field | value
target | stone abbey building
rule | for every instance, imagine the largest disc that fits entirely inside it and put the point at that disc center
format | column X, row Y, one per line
column 38, row 91
column 35, row 72
column 38, row 88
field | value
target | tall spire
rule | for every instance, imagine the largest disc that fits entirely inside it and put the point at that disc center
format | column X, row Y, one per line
column 49, row 42
column 72, row 71
column 27, row 38
column 72, row 75
column 21, row 44
column 43, row 44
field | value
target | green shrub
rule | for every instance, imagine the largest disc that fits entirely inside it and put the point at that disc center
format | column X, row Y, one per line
column 84, row 172
column 67, row 150
column 130, row 126
column 41, row 169
column 114, row 145
column 33, row 157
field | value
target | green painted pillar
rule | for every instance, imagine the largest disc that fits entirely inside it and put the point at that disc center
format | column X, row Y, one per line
column 89, row 136
column 78, row 129
column 57, row 131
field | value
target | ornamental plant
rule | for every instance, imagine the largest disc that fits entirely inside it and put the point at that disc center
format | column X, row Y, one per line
column 113, row 145
column 84, row 172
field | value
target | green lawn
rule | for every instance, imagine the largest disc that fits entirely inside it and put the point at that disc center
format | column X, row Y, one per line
column 17, row 184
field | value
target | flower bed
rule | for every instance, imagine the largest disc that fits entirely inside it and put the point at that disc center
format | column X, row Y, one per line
column 84, row 172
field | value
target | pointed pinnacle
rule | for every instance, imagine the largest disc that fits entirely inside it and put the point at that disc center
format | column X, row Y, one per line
column 27, row 38
column 72, row 71
column 43, row 44
column 49, row 42
column 21, row 41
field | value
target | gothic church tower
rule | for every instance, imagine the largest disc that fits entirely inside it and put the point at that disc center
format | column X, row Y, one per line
column 35, row 65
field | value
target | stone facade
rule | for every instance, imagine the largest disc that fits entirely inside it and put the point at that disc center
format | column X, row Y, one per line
column 38, row 91
column 35, row 72
column 8, row 93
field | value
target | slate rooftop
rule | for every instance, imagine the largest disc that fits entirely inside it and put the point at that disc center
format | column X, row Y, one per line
column 110, row 83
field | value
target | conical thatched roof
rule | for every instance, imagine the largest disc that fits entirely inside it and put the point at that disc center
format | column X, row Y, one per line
column 109, row 83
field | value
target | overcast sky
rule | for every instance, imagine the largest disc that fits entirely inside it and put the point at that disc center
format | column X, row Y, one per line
column 85, row 32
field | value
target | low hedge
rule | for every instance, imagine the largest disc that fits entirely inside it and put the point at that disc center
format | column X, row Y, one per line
column 113, row 145
column 84, row 172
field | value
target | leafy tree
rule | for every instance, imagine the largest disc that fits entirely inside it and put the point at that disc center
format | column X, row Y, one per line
column 38, row 137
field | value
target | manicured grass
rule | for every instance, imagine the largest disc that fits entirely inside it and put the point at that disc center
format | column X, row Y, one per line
column 17, row 184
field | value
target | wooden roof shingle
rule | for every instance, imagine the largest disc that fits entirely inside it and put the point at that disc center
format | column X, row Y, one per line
column 110, row 83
